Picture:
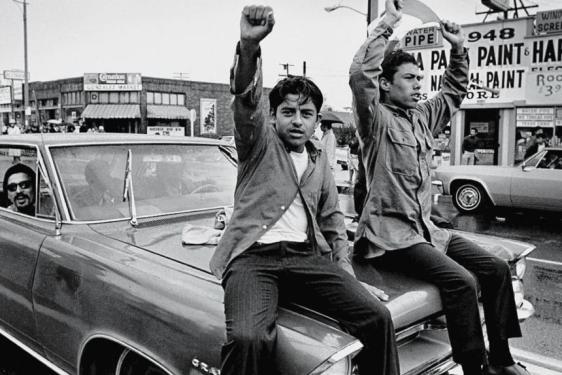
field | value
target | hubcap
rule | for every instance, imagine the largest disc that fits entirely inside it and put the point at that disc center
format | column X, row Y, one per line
column 468, row 198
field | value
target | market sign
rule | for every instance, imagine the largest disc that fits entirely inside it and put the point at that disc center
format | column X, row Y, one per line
column 5, row 95
column 112, row 82
column 15, row 74
column 549, row 21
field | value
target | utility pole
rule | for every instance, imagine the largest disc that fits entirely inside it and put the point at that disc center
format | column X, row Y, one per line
column 372, row 11
column 26, row 71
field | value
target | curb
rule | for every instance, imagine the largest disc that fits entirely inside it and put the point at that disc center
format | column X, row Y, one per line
column 544, row 363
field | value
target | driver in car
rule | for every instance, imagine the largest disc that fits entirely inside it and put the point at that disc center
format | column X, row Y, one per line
column 19, row 188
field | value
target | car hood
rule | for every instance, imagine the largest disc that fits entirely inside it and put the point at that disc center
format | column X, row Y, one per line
column 410, row 302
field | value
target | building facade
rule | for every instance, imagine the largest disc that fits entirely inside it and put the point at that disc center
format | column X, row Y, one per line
column 515, row 85
column 130, row 103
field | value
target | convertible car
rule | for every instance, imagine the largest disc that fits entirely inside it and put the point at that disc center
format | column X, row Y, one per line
column 98, row 280
column 536, row 184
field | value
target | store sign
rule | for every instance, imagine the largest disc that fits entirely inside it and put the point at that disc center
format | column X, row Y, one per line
column 425, row 37
column 5, row 95
column 502, row 54
column 175, row 131
column 535, row 116
column 544, row 87
column 15, row 74
column 112, row 82
column 549, row 21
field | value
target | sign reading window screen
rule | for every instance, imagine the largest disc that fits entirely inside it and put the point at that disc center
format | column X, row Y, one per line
column 208, row 118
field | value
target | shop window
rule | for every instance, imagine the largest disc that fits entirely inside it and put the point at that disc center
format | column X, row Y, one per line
column 166, row 98
column 104, row 97
column 157, row 98
column 173, row 99
column 181, row 99
column 124, row 97
column 133, row 97
column 114, row 97
column 149, row 98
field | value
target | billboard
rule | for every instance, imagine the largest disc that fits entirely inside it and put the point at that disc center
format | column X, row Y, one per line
column 503, row 56
column 112, row 82
column 549, row 21
column 15, row 74
column 208, row 118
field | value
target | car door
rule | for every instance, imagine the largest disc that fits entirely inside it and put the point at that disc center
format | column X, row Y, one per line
column 21, row 237
column 538, row 185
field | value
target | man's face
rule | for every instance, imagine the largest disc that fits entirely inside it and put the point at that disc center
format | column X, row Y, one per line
column 404, row 90
column 295, row 122
column 21, row 191
column 472, row 132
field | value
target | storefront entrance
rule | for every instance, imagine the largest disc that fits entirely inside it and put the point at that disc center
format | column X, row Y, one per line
column 486, row 122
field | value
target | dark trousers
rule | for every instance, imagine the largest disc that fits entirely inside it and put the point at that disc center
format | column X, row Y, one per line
column 252, row 285
column 459, row 291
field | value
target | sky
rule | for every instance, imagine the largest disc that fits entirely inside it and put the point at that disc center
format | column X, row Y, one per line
column 161, row 38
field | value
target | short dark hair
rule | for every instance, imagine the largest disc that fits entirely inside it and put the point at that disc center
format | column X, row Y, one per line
column 476, row 130
column 392, row 62
column 298, row 85
column 16, row 168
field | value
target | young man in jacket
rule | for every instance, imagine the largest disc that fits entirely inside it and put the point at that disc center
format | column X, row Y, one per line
column 286, row 232
column 395, row 230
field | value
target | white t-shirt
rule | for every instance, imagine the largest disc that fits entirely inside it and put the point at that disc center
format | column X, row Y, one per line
column 292, row 226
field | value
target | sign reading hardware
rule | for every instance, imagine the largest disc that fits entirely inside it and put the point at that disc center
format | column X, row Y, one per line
column 112, row 82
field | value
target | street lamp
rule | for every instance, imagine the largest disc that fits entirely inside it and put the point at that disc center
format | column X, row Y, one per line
column 334, row 7
column 372, row 10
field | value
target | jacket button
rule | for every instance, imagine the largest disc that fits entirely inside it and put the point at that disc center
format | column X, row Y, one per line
column 264, row 226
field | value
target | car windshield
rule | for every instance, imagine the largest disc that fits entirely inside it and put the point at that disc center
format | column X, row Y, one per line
column 167, row 178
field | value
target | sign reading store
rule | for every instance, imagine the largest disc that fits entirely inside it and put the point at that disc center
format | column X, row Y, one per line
column 112, row 82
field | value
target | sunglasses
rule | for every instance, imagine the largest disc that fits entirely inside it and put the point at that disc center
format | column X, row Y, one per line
column 22, row 184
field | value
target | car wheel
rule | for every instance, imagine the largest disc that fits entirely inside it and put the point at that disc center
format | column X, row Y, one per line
column 131, row 364
column 469, row 198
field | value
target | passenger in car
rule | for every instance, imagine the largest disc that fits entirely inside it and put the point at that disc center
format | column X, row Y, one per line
column 19, row 188
column 395, row 230
column 101, row 188
column 287, row 231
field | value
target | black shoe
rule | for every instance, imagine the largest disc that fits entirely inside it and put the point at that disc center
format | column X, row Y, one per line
column 515, row 369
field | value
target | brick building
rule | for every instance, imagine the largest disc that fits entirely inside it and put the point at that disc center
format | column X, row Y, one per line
column 129, row 102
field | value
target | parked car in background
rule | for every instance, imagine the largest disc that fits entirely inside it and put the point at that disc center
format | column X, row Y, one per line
column 99, row 281
column 536, row 183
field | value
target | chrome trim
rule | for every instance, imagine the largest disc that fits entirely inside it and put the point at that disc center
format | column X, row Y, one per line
column 474, row 179
column 341, row 354
column 440, row 369
column 121, row 360
column 58, row 184
column 124, row 345
column 43, row 172
column 33, row 353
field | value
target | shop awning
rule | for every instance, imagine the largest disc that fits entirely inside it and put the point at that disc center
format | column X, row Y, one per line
column 168, row 112
column 109, row 111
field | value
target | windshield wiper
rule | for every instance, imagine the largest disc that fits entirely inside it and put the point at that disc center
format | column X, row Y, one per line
column 128, row 192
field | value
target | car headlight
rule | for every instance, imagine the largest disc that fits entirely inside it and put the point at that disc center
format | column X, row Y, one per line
column 340, row 362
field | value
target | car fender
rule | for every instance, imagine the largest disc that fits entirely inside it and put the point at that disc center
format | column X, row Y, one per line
column 473, row 179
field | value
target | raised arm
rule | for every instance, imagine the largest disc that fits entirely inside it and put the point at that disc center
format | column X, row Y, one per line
column 256, row 22
column 439, row 110
column 366, row 68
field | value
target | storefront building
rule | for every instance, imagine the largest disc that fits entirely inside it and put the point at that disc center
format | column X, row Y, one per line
column 515, row 85
column 131, row 103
